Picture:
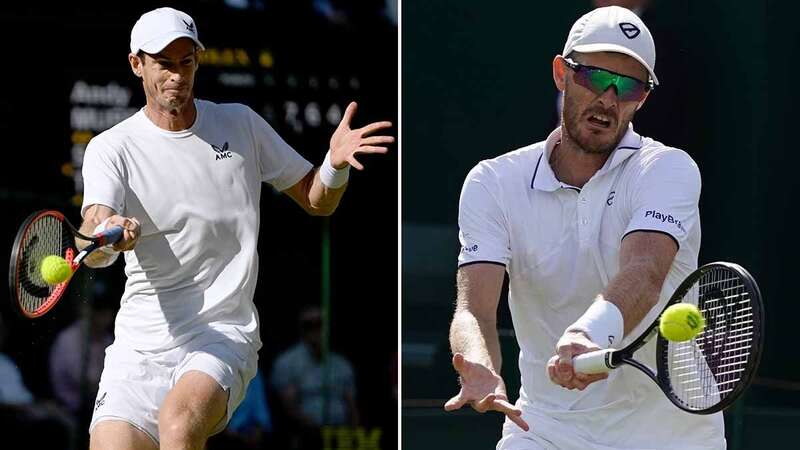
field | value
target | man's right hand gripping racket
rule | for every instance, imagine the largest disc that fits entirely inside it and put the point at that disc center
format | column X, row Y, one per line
column 709, row 372
column 46, row 233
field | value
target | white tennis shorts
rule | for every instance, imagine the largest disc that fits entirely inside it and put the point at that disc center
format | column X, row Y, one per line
column 134, row 383
column 544, row 434
column 548, row 433
column 515, row 438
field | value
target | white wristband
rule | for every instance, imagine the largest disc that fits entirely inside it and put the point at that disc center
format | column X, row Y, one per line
column 330, row 177
column 602, row 322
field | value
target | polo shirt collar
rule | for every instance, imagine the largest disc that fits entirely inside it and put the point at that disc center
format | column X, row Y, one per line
column 631, row 143
column 544, row 179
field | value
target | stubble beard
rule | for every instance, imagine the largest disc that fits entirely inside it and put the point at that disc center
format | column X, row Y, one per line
column 587, row 142
column 169, row 101
column 175, row 104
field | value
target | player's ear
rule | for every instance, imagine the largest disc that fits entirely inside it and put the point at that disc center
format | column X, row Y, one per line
column 136, row 64
column 641, row 102
column 559, row 72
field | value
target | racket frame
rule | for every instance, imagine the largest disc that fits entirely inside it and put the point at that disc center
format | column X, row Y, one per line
column 101, row 239
column 754, row 358
column 613, row 359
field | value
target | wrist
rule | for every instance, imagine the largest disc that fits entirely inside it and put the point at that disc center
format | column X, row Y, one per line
column 107, row 250
column 332, row 177
column 101, row 226
column 602, row 323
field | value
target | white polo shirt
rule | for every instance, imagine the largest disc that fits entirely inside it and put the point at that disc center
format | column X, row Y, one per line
column 196, row 193
column 560, row 246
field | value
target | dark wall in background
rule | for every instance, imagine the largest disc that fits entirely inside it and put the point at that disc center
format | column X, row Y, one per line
column 477, row 83
column 309, row 68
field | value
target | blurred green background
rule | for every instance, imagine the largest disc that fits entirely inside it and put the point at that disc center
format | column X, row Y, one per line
column 476, row 82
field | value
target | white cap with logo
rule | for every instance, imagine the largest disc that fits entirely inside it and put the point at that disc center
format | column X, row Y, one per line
column 613, row 29
column 158, row 28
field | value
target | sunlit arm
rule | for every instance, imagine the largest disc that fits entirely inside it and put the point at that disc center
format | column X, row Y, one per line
column 313, row 196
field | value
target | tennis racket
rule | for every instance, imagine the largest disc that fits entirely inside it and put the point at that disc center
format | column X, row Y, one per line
column 708, row 373
column 46, row 233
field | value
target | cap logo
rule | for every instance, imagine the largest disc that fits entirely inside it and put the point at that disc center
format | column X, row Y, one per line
column 629, row 30
column 190, row 25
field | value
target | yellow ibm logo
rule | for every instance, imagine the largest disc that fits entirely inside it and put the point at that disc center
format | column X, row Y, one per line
column 348, row 438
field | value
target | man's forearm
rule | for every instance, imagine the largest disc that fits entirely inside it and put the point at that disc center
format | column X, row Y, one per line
column 645, row 260
column 634, row 290
column 323, row 200
column 473, row 332
column 476, row 339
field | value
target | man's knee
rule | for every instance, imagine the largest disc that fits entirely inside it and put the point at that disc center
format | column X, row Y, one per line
column 181, row 423
column 191, row 410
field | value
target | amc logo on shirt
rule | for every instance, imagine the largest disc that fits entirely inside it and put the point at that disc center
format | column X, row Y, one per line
column 664, row 218
column 222, row 152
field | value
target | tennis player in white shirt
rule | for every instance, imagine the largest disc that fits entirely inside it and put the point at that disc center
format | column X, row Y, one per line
column 184, row 176
column 595, row 226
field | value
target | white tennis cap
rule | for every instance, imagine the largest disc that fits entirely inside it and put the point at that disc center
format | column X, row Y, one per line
column 158, row 28
column 613, row 29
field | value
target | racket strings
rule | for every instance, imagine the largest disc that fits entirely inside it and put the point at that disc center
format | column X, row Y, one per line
column 705, row 370
column 46, row 236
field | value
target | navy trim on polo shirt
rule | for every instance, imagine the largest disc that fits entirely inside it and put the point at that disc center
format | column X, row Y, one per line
column 481, row 262
column 678, row 244
column 536, row 169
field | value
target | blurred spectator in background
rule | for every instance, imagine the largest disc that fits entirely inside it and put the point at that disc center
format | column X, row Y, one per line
column 12, row 389
column 330, row 10
column 70, row 365
column 42, row 424
column 299, row 377
column 251, row 424
column 245, row 4
column 356, row 12
column 339, row 13
column 391, row 11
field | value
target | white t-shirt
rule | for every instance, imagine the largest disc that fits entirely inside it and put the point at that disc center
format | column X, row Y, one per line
column 196, row 193
column 560, row 246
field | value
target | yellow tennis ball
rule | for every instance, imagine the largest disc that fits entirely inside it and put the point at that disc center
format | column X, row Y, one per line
column 681, row 322
column 55, row 269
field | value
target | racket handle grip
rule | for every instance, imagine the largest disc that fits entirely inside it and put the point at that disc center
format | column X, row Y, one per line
column 110, row 236
column 598, row 361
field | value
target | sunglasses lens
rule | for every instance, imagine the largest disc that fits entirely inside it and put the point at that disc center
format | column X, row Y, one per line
column 629, row 89
column 583, row 77
column 601, row 80
column 598, row 81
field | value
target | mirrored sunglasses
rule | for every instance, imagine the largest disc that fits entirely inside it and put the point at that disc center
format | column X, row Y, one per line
column 598, row 80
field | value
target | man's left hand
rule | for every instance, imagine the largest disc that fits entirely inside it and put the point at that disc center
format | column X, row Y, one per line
column 559, row 367
column 346, row 143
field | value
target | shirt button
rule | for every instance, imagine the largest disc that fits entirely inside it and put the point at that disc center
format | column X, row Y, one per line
column 585, row 221
column 583, row 199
